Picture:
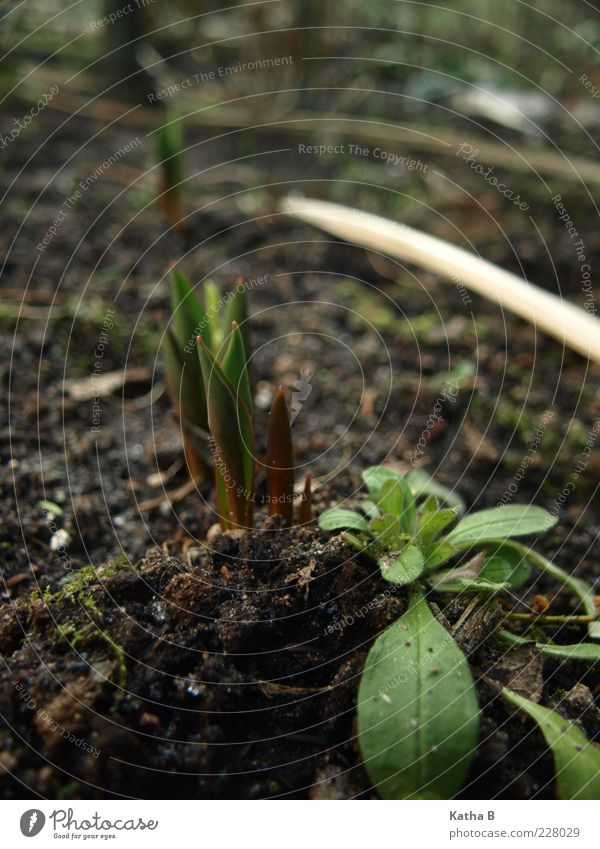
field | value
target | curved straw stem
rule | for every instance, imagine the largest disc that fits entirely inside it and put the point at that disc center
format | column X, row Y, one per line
column 568, row 323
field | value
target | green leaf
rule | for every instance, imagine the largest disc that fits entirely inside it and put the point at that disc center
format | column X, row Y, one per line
column 170, row 146
column 214, row 320
column 376, row 476
column 338, row 517
column 576, row 760
column 236, row 310
column 418, row 718
column 589, row 652
column 449, row 582
column 432, row 523
column 509, row 520
column 187, row 322
column 396, row 498
column 370, row 509
column 504, row 565
column 235, row 366
column 580, row 588
column 387, row 532
column 50, row 507
column 228, row 418
column 422, row 485
column 438, row 554
column 403, row 567
column 188, row 319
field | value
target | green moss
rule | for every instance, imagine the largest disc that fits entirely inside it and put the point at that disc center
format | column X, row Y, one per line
column 86, row 634
column 76, row 588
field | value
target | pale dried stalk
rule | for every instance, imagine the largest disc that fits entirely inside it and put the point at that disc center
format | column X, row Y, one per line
column 566, row 322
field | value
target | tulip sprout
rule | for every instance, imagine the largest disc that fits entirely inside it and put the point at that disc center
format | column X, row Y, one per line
column 206, row 356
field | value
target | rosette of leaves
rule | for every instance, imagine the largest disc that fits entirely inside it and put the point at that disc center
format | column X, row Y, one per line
column 418, row 717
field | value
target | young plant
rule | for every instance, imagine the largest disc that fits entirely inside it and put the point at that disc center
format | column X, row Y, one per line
column 169, row 152
column 185, row 387
column 208, row 382
column 418, row 717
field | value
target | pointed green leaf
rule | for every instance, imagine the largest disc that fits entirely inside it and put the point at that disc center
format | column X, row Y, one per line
column 184, row 387
column 509, row 520
column 576, row 760
column 170, row 147
column 418, row 717
column 214, row 319
column 402, row 567
column 187, row 322
column 228, row 418
column 188, row 317
column 235, row 366
column 236, row 310
column 337, row 518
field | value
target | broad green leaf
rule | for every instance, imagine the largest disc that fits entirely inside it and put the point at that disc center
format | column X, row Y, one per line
column 432, row 523
column 396, row 498
column 578, row 586
column 576, row 760
column 376, row 476
column 228, row 418
column 418, row 718
column 338, row 517
column 402, row 567
column 422, row 485
column 576, row 651
column 505, row 565
column 509, row 520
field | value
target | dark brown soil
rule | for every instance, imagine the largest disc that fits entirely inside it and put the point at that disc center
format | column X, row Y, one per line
column 239, row 680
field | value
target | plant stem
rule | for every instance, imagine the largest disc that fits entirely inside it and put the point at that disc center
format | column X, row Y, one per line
column 549, row 619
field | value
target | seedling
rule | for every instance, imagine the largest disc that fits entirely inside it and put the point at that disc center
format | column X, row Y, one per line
column 169, row 151
column 206, row 349
column 418, row 716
